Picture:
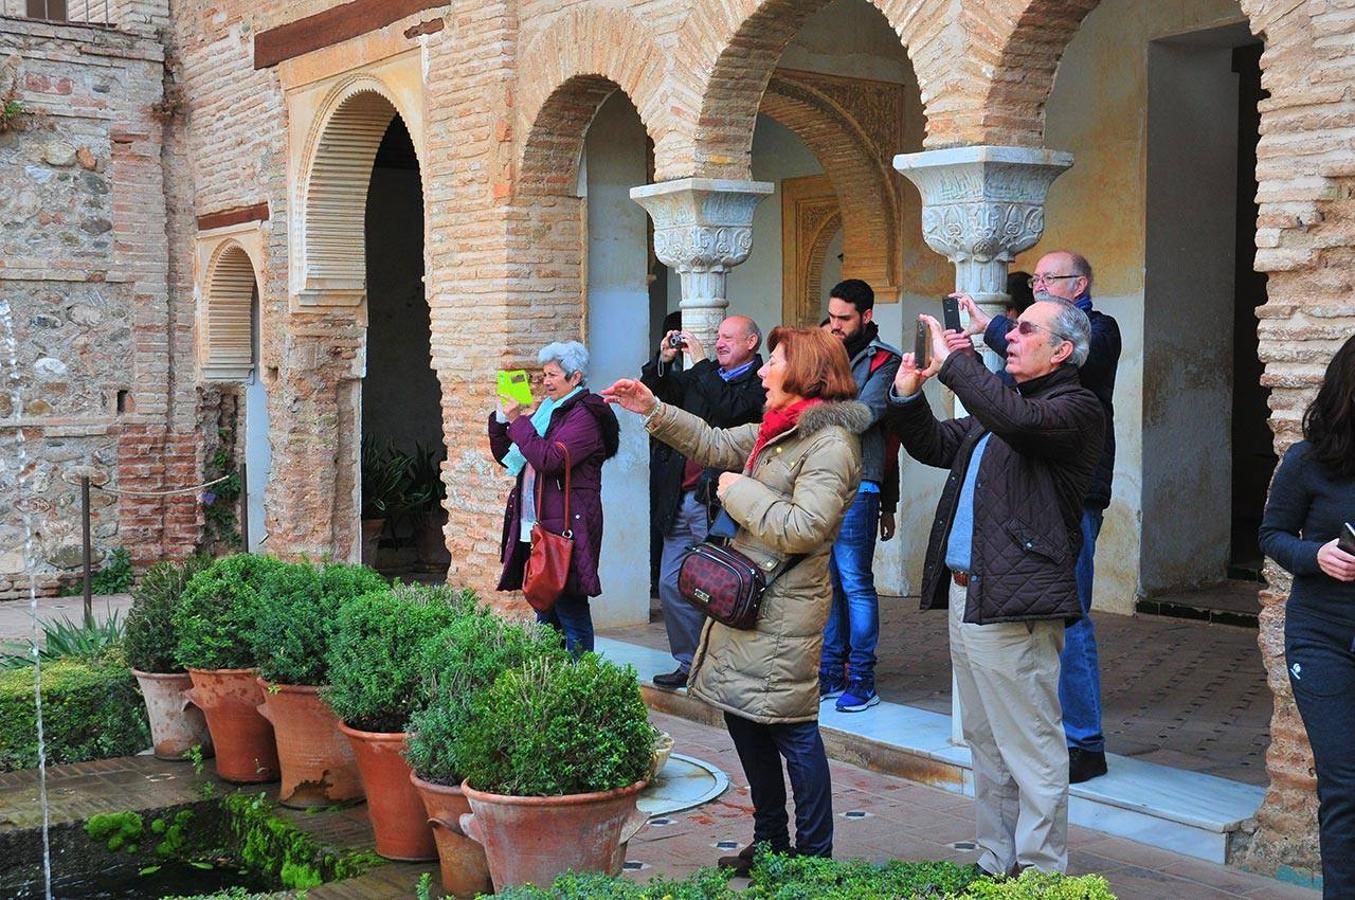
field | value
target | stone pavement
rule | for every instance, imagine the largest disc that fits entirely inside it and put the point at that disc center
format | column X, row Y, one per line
column 878, row 817
column 1181, row 693
column 16, row 616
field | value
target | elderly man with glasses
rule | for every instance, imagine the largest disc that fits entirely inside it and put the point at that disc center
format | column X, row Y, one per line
column 1001, row 558
column 1065, row 275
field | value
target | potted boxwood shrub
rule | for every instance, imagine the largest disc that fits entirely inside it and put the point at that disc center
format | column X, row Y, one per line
column 465, row 659
column 374, row 686
column 215, row 623
column 149, row 644
column 297, row 608
column 551, row 751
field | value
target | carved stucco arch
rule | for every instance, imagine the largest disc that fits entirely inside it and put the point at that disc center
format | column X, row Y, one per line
column 871, row 235
column 226, row 324
column 342, row 150
column 728, row 49
column 566, row 73
column 818, row 254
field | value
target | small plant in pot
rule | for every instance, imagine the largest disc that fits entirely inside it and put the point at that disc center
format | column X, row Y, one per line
column 374, row 686
column 385, row 479
column 215, row 622
column 149, row 644
column 424, row 502
column 551, row 750
column 465, row 659
column 298, row 606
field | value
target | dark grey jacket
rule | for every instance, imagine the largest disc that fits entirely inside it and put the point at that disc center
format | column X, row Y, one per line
column 872, row 390
column 1034, row 474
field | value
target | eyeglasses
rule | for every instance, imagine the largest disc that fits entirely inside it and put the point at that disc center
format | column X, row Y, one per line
column 1028, row 328
column 1036, row 279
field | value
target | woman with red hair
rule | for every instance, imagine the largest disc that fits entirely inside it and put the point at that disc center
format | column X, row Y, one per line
column 798, row 472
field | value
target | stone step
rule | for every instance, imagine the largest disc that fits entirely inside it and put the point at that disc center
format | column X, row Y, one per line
column 1185, row 812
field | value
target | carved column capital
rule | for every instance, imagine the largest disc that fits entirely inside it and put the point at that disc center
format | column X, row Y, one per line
column 703, row 227
column 981, row 206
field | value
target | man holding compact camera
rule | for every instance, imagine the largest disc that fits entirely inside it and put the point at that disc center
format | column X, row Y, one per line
column 723, row 392
column 1001, row 559
column 1064, row 275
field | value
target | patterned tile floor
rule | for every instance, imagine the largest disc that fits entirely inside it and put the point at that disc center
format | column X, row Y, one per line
column 1181, row 693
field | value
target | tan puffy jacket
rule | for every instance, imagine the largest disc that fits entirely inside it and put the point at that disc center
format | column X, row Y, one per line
column 792, row 505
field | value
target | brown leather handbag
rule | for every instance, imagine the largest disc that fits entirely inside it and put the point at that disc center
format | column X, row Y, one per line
column 547, row 570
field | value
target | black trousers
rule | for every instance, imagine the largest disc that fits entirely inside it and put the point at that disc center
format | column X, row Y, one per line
column 761, row 749
column 1320, row 656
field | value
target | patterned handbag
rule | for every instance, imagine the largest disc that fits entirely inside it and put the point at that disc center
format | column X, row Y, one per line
column 726, row 585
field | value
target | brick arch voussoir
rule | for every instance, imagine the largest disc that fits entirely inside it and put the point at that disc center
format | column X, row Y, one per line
column 727, row 51
column 567, row 71
column 862, row 184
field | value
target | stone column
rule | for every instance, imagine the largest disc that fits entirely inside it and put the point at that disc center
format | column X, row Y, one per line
column 980, row 207
column 703, row 227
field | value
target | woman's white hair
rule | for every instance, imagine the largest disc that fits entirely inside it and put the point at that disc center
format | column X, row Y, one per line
column 570, row 356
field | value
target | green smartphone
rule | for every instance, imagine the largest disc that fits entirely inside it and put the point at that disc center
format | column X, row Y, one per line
column 513, row 385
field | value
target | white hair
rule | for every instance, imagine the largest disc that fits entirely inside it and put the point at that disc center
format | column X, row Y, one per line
column 570, row 356
column 1071, row 324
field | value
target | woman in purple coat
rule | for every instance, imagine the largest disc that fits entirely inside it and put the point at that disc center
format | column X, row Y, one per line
column 526, row 445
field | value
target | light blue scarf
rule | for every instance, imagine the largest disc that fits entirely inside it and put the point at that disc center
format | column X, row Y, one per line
column 513, row 460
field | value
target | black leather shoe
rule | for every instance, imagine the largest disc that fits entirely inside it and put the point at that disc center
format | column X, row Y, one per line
column 1084, row 765
column 742, row 864
column 672, row 681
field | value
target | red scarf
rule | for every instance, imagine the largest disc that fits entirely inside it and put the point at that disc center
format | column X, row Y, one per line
column 776, row 422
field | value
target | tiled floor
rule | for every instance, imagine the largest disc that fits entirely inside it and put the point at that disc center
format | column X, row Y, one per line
column 1181, row 693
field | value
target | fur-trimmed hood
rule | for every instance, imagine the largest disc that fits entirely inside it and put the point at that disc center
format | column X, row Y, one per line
column 848, row 414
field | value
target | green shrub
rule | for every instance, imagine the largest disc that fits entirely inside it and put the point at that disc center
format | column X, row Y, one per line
column 463, row 660
column 89, row 711
column 1035, row 885
column 298, row 605
column 552, row 727
column 375, row 655
column 704, row 884
column 64, row 639
column 792, row 877
column 217, row 611
column 150, row 641
column 114, row 578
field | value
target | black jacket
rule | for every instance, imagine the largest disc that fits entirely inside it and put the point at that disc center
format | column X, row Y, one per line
column 1046, row 440
column 701, row 391
column 1098, row 376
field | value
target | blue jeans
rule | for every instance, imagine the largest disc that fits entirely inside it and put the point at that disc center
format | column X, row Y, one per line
column 853, row 627
column 760, row 748
column 682, row 620
column 1080, row 675
column 1320, row 656
column 571, row 616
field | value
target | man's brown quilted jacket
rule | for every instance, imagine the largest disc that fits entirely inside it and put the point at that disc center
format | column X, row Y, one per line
column 1033, row 478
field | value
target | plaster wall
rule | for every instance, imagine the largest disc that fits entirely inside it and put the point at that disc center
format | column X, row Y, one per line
column 618, row 344
column 1098, row 110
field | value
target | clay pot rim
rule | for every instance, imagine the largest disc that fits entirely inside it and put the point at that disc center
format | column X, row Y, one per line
column 160, row 676
column 252, row 670
column 557, row 800
column 433, row 787
column 274, row 687
column 374, row 737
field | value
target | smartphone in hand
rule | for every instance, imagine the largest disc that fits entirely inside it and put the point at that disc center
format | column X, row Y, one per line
column 1346, row 541
column 922, row 347
column 950, row 311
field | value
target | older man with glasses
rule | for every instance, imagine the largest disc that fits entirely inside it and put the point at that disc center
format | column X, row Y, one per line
column 1064, row 275
column 1001, row 558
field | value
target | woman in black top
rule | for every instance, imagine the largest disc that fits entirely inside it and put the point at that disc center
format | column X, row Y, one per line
column 1311, row 499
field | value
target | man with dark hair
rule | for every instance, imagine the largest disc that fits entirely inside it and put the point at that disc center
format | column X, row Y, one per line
column 1001, row 559
column 724, row 392
column 1067, row 276
column 847, row 668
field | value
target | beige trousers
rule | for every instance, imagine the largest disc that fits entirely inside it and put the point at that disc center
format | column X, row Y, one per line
column 1008, row 679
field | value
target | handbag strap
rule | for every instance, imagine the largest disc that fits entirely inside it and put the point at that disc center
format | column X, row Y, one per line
column 541, row 490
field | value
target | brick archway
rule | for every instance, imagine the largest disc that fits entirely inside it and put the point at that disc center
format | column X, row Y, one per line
column 226, row 340
column 727, row 52
column 568, row 70
column 334, row 198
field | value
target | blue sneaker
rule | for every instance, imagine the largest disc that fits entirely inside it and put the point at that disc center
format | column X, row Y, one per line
column 859, row 697
column 830, row 688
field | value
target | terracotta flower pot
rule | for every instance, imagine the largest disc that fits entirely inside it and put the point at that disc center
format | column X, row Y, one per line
column 537, row 839
column 465, row 873
column 230, row 698
column 318, row 768
column 176, row 724
column 398, row 817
